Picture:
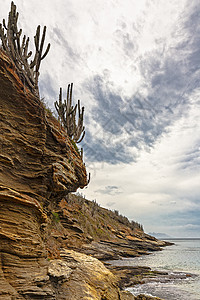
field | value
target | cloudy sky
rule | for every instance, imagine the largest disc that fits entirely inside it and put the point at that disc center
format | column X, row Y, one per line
column 135, row 66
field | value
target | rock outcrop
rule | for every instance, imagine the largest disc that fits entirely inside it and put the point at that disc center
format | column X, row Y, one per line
column 87, row 277
column 38, row 166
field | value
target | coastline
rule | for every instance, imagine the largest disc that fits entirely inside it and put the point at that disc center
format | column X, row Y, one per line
column 129, row 276
column 174, row 273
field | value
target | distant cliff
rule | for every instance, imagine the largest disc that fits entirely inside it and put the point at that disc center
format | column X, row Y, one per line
column 83, row 225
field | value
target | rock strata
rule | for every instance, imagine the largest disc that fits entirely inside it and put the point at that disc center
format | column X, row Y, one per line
column 88, row 228
column 38, row 166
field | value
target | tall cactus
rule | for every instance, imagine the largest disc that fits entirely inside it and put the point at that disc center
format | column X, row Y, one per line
column 67, row 115
column 79, row 128
column 17, row 50
column 60, row 107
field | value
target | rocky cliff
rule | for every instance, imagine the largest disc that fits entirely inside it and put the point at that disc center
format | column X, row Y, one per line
column 83, row 225
column 42, row 226
column 38, row 166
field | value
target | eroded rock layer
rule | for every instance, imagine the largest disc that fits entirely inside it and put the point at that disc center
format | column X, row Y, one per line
column 38, row 166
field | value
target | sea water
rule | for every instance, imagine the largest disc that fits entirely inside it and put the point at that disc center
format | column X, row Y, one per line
column 182, row 263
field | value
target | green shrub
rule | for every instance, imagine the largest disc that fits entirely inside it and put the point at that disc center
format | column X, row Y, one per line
column 56, row 217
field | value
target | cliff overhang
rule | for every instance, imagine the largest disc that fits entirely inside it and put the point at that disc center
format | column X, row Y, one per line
column 38, row 166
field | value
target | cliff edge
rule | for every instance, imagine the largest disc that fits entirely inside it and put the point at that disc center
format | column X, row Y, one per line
column 38, row 166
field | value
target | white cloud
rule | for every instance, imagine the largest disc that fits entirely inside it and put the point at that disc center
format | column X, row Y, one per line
column 160, row 182
column 138, row 49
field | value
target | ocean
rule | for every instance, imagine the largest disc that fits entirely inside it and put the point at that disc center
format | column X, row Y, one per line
column 181, row 261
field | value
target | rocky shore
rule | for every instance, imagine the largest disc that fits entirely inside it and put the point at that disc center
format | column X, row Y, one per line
column 83, row 277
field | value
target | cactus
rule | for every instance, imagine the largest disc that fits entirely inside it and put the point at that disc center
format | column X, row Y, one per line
column 60, row 108
column 67, row 115
column 17, row 50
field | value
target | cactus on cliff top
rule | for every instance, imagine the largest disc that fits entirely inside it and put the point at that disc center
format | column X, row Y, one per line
column 67, row 115
column 17, row 49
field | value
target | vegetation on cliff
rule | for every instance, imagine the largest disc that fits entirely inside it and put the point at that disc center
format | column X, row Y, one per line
column 67, row 115
column 85, row 226
column 18, row 51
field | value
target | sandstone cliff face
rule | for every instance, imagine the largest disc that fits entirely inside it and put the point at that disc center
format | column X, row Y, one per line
column 36, row 155
column 38, row 166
